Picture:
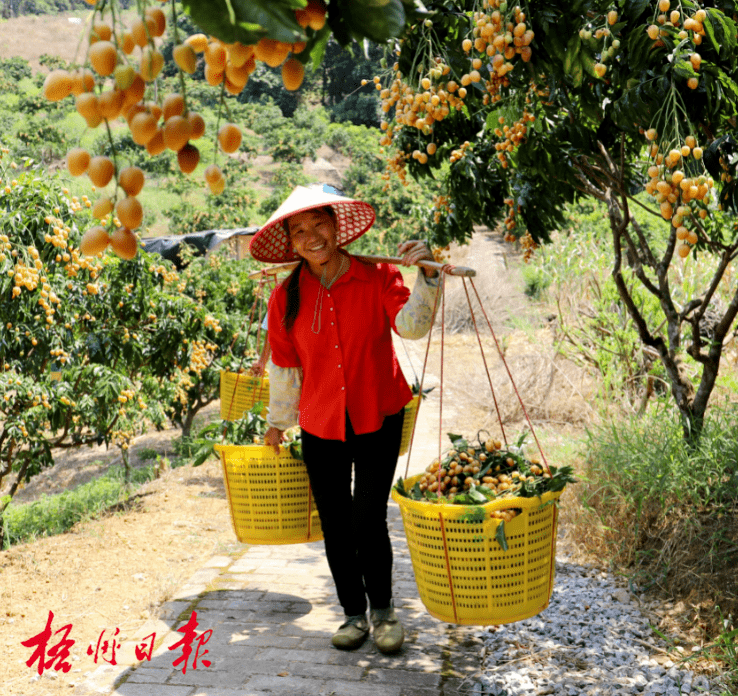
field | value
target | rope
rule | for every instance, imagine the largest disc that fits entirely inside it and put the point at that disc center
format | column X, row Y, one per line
column 264, row 280
column 309, row 512
column 512, row 381
column 448, row 567
column 407, row 355
column 484, row 360
column 440, row 389
column 422, row 378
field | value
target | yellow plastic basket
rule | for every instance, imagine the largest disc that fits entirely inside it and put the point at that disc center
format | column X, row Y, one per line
column 239, row 392
column 411, row 412
column 463, row 574
column 269, row 495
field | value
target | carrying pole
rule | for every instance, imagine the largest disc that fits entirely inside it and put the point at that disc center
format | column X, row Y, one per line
column 423, row 263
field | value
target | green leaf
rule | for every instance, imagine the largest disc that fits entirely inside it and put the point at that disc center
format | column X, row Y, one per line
column 721, row 32
column 683, row 68
column 400, row 487
column 634, row 8
column 205, row 451
column 296, row 450
column 318, row 50
column 572, row 53
column 588, row 61
column 478, row 496
column 247, row 21
column 728, row 85
column 555, row 46
column 638, row 47
column 458, row 441
column 365, row 19
column 500, row 535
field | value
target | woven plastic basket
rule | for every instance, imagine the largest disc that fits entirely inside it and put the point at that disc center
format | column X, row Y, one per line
column 269, row 495
column 239, row 392
column 463, row 574
column 411, row 412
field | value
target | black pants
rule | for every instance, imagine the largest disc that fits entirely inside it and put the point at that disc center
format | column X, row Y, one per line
column 357, row 542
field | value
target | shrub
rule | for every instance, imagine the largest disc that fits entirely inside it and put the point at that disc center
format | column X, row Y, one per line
column 285, row 179
column 56, row 514
column 291, row 140
column 665, row 510
column 359, row 143
column 42, row 140
column 229, row 210
column 15, row 69
column 360, row 109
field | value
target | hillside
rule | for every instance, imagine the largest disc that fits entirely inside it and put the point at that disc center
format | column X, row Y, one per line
column 32, row 36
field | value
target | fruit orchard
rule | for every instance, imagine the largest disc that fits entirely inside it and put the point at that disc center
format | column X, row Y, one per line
column 514, row 110
column 543, row 103
column 519, row 109
column 96, row 349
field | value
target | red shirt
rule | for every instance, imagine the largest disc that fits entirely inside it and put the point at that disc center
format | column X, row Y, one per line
column 350, row 364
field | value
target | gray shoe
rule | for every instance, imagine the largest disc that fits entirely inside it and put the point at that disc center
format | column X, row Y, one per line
column 388, row 632
column 352, row 633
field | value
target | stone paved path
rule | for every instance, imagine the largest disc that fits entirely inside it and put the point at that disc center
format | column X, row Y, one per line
column 272, row 611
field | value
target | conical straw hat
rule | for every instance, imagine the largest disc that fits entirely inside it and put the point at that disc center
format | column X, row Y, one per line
column 272, row 242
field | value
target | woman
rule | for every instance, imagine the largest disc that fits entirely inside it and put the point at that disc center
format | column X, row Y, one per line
column 330, row 326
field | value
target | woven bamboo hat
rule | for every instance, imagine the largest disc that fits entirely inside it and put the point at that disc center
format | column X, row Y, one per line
column 272, row 242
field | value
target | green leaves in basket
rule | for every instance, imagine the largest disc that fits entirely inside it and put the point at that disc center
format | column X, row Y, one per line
column 239, row 432
column 415, row 388
column 400, row 487
column 560, row 477
column 500, row 535
column 458, row 441
column 295, row 447
column 473, row 497
column 474, row 514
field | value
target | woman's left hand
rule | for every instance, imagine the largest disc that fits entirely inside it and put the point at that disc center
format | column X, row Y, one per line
column 414, row 251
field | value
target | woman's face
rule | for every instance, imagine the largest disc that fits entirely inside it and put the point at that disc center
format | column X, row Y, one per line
column 313, row 236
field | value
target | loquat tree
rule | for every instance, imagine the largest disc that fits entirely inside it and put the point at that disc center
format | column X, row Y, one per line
column 538, row 104
column 517, row 110
column 520, row 109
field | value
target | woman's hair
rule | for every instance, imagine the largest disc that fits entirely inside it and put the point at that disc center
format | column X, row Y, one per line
column 293, row 281
column 293, row 296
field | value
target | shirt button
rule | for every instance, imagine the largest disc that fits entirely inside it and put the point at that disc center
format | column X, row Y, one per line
column 336, row 346
column 343, row 388
column 339, row 366
column 331, row 309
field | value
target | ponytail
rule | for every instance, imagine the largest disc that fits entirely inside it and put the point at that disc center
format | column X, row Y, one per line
column 293, row 296
column 293, row 281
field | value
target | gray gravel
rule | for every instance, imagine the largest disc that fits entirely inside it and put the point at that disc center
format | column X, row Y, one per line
column 591, row 640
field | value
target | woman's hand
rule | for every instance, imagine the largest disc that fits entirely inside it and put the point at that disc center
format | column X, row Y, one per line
column 273, row 438
column 414, row 251
column 257, row 368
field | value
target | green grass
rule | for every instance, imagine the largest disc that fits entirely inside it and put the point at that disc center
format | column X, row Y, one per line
column 642, row 462
column 56, row 514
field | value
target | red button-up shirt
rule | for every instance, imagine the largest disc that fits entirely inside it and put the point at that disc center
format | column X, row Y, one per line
column 349, row 365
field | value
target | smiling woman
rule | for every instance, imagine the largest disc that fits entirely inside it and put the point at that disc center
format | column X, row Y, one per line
column 330, row 331
column 313, row 237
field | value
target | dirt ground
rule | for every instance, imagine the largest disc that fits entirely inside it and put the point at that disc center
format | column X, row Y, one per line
column 32, row 36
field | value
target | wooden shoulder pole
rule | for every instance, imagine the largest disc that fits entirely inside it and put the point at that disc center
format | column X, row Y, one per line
column 444, row 268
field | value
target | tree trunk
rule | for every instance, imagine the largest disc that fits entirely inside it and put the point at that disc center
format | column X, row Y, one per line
column 625, row 244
